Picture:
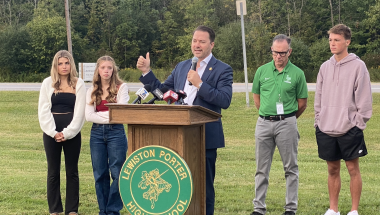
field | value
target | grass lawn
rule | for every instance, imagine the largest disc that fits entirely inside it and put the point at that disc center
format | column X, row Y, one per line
column 23, row 164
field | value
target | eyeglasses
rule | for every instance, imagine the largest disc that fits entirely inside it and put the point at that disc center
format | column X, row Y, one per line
column 282, row 54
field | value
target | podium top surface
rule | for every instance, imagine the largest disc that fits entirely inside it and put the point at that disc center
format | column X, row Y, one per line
column 146, row 114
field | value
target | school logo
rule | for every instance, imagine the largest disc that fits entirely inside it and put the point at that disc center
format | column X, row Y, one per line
column 288, row 79
column 155, row 180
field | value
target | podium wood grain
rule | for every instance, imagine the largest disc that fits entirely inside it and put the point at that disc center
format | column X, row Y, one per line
column 178, row 127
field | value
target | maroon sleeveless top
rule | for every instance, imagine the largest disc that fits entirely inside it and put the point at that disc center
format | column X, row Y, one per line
column 101, row 106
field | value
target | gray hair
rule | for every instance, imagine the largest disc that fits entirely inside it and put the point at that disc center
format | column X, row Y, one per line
column 282, row 37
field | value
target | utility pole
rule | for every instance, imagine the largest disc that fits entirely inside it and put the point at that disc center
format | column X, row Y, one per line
column 68, row 28
column 241, row 10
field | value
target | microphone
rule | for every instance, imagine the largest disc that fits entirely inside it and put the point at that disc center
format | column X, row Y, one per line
column 158, row 95
column 194, row 62
column 181, row 96
column 170, row 97
column 142, row 93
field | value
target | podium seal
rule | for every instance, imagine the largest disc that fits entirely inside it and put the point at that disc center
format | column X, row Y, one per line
column 155, row 180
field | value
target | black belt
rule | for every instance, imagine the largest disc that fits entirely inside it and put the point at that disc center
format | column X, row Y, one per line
column 278, row 117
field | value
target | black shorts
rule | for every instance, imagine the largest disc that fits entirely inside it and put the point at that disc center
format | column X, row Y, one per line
column 347, row 147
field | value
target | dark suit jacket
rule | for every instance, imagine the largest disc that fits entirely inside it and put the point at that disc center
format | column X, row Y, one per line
column 215, row 93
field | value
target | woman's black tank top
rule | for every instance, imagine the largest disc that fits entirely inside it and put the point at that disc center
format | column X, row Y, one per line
column 62, row 102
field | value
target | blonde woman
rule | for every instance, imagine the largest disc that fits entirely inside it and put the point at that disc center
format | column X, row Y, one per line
column 61, row 115
column 108, row 142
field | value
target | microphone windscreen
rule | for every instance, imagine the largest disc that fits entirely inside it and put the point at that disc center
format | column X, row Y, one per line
column 158, row 94
column 164, row 89
column 148, row 87
column 181, row 94
column 194, row 60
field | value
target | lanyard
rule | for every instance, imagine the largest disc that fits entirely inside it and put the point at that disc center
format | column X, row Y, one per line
column 278, row 87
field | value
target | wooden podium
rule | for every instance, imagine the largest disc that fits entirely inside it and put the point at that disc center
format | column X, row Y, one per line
column 178, row 127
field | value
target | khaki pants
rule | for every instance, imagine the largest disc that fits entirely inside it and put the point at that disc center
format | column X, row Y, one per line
column 283, row 134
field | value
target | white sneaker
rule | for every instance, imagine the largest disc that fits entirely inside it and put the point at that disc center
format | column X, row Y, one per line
column 355, row 212
column 332, row 212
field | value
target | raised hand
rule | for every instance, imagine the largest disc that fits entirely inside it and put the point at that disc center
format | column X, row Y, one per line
column 143, row 64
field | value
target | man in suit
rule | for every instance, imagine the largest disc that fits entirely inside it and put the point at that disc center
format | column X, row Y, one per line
column 211, row 88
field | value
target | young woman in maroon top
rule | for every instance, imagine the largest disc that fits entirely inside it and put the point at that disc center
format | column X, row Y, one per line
column 108, row 142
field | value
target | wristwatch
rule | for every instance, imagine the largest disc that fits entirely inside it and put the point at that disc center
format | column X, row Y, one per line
column 200, row 85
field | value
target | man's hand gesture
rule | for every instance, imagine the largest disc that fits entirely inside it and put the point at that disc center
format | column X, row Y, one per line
column 143, row 64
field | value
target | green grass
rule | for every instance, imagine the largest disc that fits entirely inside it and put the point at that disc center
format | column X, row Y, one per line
column 133, row 75
column 23, row 164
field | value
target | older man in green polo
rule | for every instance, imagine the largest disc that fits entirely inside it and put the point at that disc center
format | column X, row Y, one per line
column 280, row 94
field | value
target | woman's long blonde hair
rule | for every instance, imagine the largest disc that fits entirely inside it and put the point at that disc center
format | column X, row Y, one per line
column 72, row 79
column 115, row 81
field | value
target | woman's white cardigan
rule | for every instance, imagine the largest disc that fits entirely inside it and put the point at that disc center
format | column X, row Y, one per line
column 102, row 117
column 45, row 116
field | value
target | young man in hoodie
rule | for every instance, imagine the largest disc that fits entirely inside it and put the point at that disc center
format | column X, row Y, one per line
column 343, row 105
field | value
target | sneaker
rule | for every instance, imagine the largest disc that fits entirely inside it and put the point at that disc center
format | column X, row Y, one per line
column 289, row 213
column 331, row 212
column 256, row 213
column 355, row 212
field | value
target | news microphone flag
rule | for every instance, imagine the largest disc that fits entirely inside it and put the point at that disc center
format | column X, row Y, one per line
column 170, row 97
column 142, row 93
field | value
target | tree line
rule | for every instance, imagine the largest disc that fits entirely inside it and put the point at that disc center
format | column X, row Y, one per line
column 32, row 31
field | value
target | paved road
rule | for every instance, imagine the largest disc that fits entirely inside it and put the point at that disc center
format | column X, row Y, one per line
column 36, row 86
column 237, row 87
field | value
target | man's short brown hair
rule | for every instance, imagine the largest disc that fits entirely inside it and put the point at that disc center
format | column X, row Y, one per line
column 209, row 30
column 341, row 29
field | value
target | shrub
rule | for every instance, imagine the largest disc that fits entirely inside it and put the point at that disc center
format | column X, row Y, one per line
column 372, row 60
column 301, row 57
column 319, row 52
column 34, row 77
column 6, row 76
column 130, row 75
column 14, row 50
column 228, row 45
column 240, row 78
column 374, row 75
column 133, row 75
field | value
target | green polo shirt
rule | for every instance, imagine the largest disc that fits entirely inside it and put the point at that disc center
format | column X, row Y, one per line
column 268, row 82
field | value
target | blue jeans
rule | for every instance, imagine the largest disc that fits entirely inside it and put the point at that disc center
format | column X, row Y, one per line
column 108, row 145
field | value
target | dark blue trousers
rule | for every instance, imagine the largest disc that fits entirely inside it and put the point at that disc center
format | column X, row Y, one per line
column 211, row 155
